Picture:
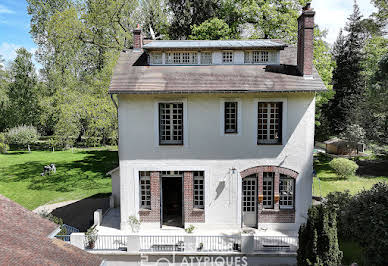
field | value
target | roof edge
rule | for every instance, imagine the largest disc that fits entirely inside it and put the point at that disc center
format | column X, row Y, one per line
column 129, row 91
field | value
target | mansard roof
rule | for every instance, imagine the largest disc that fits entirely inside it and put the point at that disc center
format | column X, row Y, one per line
column 133, row 75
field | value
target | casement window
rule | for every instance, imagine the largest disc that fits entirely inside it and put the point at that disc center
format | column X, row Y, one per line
column 182, row 58
column 268, row 190
column 269, row 126
column 249, row 193
column 230, row 117
column 286, row 191
column 206, row 58
column 156, row 58
column 257, row 57
column 171, row 123
column 227, row 57
column 199, row 190
column 145, row 190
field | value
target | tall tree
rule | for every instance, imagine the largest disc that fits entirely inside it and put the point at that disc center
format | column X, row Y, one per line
column 348, row 84
column 190, row 12
column 213, row 29
column 23, row 107
column 3, row 94
column 154, row 16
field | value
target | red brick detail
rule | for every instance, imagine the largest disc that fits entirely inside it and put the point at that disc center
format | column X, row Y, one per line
column 153, row 215
column 191, row 215
column 276, row 216
column 137, row 39
column 305, row 41
column 268, row 168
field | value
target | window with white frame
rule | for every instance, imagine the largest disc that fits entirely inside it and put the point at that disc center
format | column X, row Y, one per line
column 268, row 190
column 199, row 190
column 145, row 190
column 170, row 123
column 269, row 125
column 286, row 191
column 230, row 117
column 206, row 58
column 156, row 58
column 182, row 58
column 256, row 57
column 227, row 57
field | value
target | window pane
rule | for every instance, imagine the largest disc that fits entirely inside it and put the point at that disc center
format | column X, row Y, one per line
column 269, row 123
column 268, row 193
column 156, row 58
column 171, row 123
column 206, row 58
column 286, row 191
column 230, row 117
column 199, row 192
column 145, row 190
column 227, row 57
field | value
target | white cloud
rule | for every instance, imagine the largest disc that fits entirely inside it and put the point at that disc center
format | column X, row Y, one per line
column 5, row 10
column 8, row 51
column 332, row 14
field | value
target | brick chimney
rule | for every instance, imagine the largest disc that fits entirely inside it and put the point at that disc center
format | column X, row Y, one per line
column 306, row 41
column 137, row 38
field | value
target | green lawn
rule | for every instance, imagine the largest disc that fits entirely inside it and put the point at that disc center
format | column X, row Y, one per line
column 329, row 182
column 79, row 175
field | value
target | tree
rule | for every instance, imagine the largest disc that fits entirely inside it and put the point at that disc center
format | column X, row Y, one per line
column 213, row 29
column 348, row 84
column 22, row 135
column 3, row 94
column 190, row 12
column 23, row 106
column 154, row 15
column 318, row 242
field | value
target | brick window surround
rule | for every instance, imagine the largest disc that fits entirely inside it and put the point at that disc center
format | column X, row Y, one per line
column 275, row 215
column 191, row 214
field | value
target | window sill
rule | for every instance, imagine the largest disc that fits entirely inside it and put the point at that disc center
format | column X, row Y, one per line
column 198, row 210
column 145, row 210
column 264, row 211
column 268, row 144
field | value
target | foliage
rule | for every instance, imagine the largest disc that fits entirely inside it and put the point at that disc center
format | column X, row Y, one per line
column 91, row 236
column 344, row 108
column 354, row 133
column 213, row 29
column 363, row 218
column 22, row 135
column 190, row 229
column 318, row 243
column 190, row 12
column 134, row 223
column 343, row 167
column 22, row 91
column 80, row 174
column 3, row 146
column 154, row 15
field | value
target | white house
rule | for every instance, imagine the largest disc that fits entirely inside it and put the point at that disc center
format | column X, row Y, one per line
column 216, row 134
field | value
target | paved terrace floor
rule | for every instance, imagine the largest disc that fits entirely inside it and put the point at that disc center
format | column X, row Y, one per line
column 111, row 226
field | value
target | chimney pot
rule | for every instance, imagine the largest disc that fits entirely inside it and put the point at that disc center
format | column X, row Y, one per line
column 306, row 41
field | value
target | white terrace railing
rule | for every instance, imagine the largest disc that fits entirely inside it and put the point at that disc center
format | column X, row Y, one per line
column 187, row 243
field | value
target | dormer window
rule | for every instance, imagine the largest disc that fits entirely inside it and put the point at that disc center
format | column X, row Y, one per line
column 182, row 58
column 256, row 57
column 227, row 57
column 156, row 58
column 206, row 58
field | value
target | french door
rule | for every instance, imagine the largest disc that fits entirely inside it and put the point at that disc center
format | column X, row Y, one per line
column 249, row 201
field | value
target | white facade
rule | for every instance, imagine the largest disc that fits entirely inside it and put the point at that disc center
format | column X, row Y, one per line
column 221, row 156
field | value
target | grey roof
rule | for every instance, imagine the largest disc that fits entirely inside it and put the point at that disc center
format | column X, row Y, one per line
column 209, row 44
column 133, row 75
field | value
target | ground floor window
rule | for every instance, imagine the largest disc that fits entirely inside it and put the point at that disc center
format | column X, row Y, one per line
column 286, row 191
column 268, row 189
column 145, row 190
column 199, row 191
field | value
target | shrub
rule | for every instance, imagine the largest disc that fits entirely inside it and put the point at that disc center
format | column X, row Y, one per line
column 22, row 135
column 3, row 146
column 318, row 242
column 342, row 203
column 343, row 167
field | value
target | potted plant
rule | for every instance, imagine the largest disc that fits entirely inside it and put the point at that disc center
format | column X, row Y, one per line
column 134, row 223
column 200, row 247
column 91, row 237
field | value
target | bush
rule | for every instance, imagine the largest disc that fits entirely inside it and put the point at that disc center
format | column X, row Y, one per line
column 318, row 242
column 342, row 203
column 3, row 146
column 343, row 167
column 22, row 135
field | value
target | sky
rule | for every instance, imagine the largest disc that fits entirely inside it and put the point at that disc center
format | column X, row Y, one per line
column 15, row 22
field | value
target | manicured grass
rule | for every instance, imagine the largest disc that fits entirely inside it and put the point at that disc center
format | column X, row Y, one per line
column 330, row 182
column 79, row 175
